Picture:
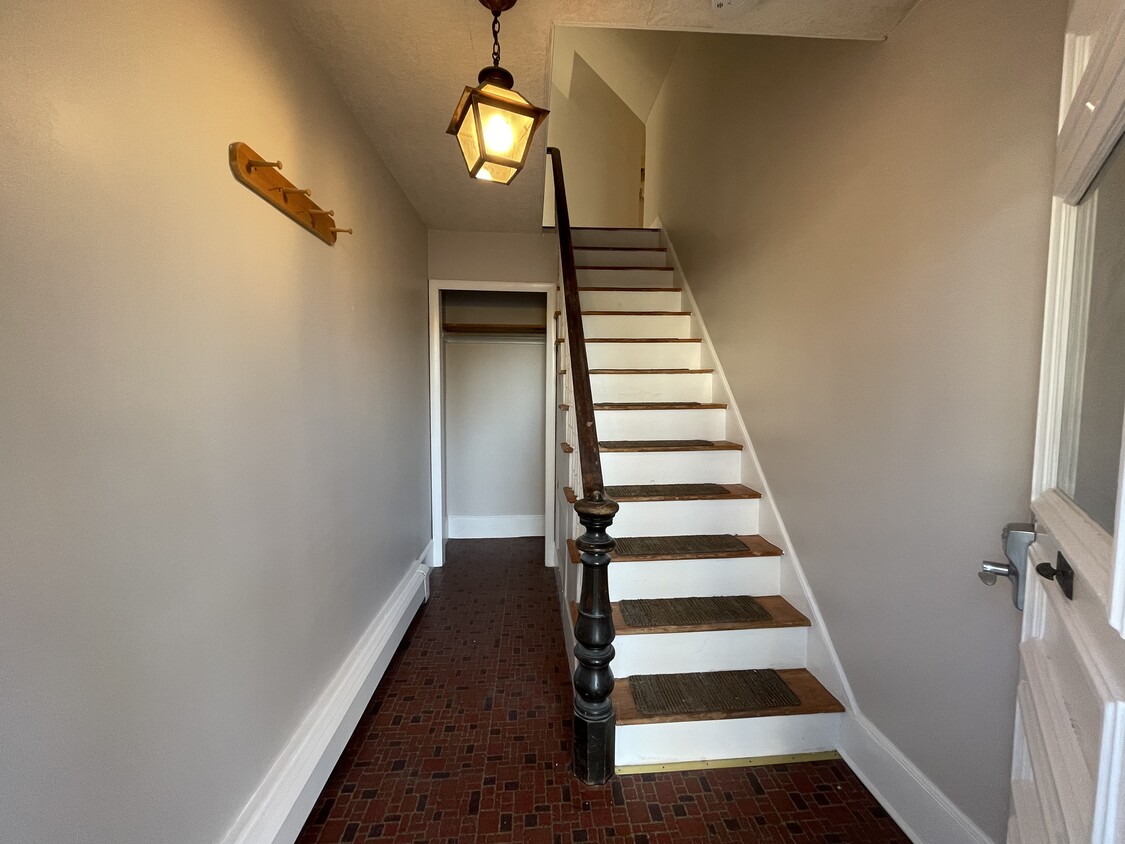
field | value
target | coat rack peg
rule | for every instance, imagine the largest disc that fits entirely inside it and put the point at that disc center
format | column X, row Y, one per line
column 262, row 177
column 254, row 163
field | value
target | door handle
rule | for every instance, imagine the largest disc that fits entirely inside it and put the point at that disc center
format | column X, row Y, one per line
column 990, row 571
column 1016, row 538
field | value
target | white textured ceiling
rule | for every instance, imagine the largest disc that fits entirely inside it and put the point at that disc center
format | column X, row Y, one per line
column 402, row 65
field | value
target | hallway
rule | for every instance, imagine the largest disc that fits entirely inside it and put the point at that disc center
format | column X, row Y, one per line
column 466, row 739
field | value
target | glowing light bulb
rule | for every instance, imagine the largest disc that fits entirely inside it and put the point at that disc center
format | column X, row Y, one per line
column 484, row 175
column 498, row 135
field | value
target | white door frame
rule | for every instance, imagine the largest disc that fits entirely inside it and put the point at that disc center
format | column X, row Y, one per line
column 438, row 520
column 1091, row 121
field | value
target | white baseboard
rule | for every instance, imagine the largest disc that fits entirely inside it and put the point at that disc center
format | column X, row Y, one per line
column 567, row 624
column 428, row 561
column 909, row 796
column 491, row 527
column 278, row 808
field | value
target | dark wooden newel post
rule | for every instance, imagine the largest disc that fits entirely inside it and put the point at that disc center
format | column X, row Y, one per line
column 594, row 718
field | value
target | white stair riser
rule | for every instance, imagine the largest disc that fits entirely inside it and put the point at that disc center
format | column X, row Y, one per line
column 705, row 424
column 694, row 578
column 620, row 257
column 637, row 325
column 631, row 300
column 712, row 650
column 679, row 518
column 615, row 237
column 643, row 355
column 644, row 387
column 626, row 278
column 671, row 467
column 734, row 738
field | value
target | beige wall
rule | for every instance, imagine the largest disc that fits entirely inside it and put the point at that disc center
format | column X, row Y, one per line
column 212, row 424
column 602, row 144
column 493, row 256
column 865, row 228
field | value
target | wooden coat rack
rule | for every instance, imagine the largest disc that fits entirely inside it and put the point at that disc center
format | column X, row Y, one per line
column 263, row 177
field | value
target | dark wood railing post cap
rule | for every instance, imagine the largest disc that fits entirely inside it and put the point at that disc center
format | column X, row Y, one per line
column 598, row 507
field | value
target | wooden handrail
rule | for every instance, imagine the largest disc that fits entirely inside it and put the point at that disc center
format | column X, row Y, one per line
column 589, row 455
column 595, row 721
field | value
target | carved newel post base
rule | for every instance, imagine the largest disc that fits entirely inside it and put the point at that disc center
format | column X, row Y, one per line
column 594, row 718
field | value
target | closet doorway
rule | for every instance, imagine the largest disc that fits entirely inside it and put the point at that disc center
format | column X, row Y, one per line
column 492, row 392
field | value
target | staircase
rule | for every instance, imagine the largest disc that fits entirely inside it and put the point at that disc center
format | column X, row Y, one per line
column 687, row 528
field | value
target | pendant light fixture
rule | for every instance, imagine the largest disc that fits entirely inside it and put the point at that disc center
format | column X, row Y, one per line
column 493, row 123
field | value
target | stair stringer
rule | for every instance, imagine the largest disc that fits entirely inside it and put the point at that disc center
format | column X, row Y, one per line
column 821, row 657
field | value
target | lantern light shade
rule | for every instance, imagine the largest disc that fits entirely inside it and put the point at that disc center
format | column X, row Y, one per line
column 494, row 126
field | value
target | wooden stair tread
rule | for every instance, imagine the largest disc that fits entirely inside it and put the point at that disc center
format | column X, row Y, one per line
column 756, row 546
column 636, row 313
column 620, row 248
column 815, row 699
column 683, row 371
column 733, row 492
column 633, row 289
column 783, row 614
column 630, row 269
column 643, row 340
column 669, row 445
column 606, row 229
column 658, row 405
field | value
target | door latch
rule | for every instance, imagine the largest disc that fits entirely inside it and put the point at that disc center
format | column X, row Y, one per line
column 1061, row 572
column 1016, row 538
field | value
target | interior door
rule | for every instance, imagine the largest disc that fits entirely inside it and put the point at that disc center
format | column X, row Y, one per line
column 1070, row 717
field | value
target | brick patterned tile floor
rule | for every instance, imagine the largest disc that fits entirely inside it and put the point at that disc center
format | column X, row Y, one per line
column 466, row 740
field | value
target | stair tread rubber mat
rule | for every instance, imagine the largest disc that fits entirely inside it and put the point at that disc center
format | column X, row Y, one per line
column 644, row 546
column 664, row 490
column 684, row 612
column 710, row 691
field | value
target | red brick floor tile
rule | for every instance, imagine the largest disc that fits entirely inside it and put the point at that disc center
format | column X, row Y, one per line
column 467, row 740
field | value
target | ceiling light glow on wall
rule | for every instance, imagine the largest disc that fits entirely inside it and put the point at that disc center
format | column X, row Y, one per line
column 493, row 123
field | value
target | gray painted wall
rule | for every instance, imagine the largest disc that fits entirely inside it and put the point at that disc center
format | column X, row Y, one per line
column 865, row 229
column 212, row 425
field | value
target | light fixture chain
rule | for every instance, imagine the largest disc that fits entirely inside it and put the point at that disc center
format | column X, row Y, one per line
column 496, row 39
